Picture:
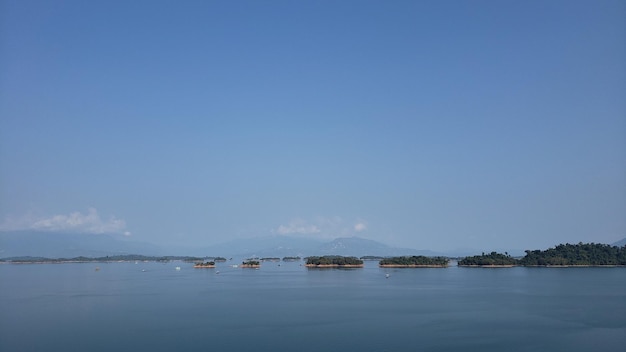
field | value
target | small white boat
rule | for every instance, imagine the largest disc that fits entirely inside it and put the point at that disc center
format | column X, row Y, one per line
column 387, row 276
column 178, row 268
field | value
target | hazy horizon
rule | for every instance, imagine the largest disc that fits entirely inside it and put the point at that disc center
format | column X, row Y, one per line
column 419, row 124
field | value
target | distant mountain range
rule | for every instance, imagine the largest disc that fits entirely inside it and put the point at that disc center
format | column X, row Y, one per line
column 359, row 247
column 620, row 243
column 67, row 245
column 280, row 246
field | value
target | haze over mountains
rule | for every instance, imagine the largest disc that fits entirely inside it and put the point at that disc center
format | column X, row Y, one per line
column 68, row 245
column 620, row 243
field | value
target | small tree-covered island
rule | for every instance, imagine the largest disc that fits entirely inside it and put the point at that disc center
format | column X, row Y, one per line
column 493, row 259
column 205, row 265
column 251, row 264
column 333, row 261
column 419, row 261
column 563, row 255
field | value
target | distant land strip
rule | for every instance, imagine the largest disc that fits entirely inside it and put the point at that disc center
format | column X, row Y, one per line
column 107, row 259
column 560, row 256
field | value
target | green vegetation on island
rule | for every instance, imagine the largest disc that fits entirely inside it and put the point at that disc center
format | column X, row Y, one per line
column 491, row 259
column 333, row 261
column 414, row 261
column 205, row 265
column 576, row 254
column 581, row 254
column 270, row 259
column 251, row 264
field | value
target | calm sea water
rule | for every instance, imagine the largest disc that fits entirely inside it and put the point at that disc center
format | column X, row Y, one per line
column 121, row 307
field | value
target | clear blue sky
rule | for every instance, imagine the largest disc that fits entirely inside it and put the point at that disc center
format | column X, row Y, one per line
column 426, row 124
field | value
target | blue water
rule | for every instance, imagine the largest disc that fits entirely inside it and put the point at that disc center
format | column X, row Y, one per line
column 72, row 307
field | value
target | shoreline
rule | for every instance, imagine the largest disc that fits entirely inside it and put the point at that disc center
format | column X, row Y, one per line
column 393, row 266
column 576, row 266
column 488, row 266
column 334, row 265
column 411, row 266
column 77, row 261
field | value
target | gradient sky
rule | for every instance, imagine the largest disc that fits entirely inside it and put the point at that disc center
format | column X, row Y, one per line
column 426, row 124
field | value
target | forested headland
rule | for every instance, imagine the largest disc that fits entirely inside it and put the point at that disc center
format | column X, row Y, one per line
column 581, row 254
column 576, row 254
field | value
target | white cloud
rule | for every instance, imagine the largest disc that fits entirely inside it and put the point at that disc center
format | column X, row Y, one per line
column 321, row 227
column 74, row 222
column 297, row 226
column 360, row 226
